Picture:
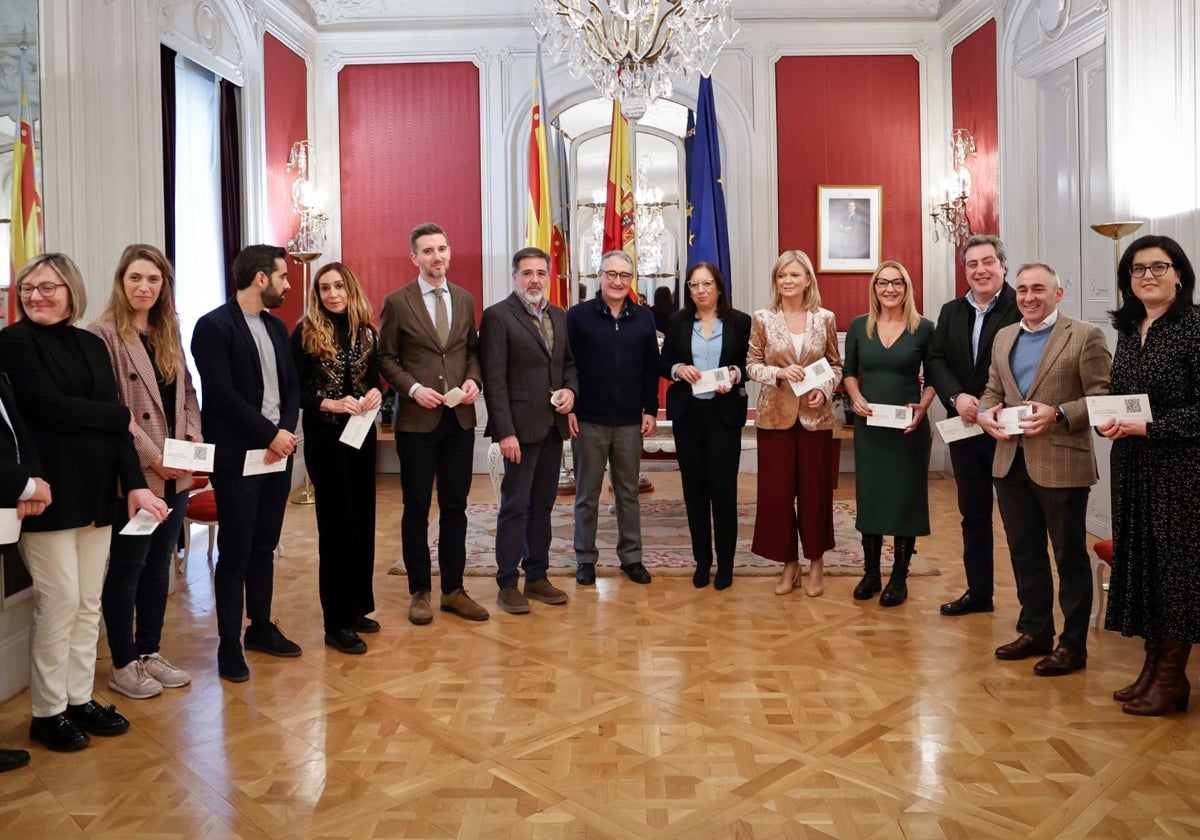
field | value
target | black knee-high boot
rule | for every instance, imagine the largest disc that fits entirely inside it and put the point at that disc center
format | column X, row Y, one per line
column 897, row 588
column 870, row 583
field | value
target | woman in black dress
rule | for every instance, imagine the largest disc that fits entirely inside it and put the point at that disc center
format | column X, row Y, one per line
column 1155, row 587
column 335, row 349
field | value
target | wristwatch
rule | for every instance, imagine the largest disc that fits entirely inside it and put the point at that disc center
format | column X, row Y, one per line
column 1060, row 416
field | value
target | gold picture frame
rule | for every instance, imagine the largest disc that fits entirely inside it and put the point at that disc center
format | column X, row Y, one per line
column 849, row 228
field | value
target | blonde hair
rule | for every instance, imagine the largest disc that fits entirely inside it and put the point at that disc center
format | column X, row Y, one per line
column 318, row 337
column 811, row 299
column 163, row 336
column 67, row 271
column 908, row 303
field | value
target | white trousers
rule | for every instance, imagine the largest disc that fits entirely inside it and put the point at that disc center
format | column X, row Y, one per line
column 67, row 568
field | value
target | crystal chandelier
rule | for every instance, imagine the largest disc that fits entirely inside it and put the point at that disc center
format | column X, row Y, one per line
column 308, row 202
column 630, row 49
column 948, row 199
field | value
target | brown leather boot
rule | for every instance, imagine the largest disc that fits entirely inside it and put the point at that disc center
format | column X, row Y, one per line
column 1138, row 687
column 1170, row 686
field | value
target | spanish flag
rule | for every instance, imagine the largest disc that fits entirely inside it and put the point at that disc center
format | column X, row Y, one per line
column 542, row 226
column 618, row 206
column 26, row 229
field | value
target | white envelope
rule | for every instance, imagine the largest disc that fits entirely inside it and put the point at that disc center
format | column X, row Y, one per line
column 1010, row 417
column 256, row 464
column 10, row 526
column 710, row 380
column 188, row 455
column 357, row 428
column 142, row 524
column 1119, row 407
column 453, row 397
column 956, row 428
column 890, row 416
column 815, row 375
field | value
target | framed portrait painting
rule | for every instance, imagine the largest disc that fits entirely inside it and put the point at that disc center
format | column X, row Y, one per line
column 849, row 228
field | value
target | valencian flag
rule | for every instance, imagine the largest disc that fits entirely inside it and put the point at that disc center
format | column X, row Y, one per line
column 543, row 204
column 618, row 205
column 26, row 228
column 708, row 229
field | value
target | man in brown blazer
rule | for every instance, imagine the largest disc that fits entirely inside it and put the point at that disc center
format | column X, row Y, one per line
column 428, row 348
column 1047, row 363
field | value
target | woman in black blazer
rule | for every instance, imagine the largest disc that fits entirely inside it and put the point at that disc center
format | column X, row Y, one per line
column 708, row 334
column 63, row 381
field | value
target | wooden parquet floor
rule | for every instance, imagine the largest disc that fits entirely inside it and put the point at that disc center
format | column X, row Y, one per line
column 634, row 711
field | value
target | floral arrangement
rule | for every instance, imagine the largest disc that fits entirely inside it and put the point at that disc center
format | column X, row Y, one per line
column 841, row 400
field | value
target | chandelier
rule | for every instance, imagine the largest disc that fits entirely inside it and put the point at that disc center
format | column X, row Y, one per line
column 948, row 198
column 308, row 202
column 630, row 49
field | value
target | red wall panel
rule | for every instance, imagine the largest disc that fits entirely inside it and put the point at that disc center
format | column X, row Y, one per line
column 410, row 154
column 285, row 78
column 850, row 120
column 973, row 90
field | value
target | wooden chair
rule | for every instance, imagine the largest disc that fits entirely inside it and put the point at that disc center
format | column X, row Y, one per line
column 1101, row 568
column 201, row 510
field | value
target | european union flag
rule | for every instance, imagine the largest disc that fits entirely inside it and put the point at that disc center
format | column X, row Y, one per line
column 708, row 229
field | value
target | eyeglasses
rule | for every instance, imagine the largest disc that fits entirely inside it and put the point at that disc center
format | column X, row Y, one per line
column 1158, row 269
column 882, row 283
column 46, row 289
column 623, row 276
column 696, row 285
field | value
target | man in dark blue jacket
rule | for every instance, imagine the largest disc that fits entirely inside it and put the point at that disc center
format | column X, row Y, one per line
column 616, row 358
column 251, row 404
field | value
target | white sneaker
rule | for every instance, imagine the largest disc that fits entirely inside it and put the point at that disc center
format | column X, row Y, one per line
column 166, row 673
column 133, row 681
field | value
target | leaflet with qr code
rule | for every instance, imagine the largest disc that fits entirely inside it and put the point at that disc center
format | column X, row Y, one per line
column 890, row 416
column 1135, row 407
column 1010, row 418
column 815, row 375
column 142, row 524
column 188, row 455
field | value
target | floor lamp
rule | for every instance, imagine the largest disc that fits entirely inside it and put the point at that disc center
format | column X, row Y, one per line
column 1116, row 231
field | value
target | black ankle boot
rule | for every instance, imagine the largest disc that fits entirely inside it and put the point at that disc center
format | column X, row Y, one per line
column 700, row 577
column 724, row 578
column 897, row 588
column 870, row 583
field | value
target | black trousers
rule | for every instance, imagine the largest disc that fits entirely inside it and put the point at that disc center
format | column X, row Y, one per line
column 709, row 450
column 1030, row 513
column 972, row 461
column 249, row 519
column 344, row 481
column 527, row 497
column 443, row 455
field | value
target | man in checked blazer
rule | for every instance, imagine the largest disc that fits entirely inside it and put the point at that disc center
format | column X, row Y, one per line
column 427, row 348
column 529, row 382
column 1047, row 363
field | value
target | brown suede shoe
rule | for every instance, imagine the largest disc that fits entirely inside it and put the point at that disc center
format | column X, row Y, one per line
column 511, row 601
column 544, row 591
column 1025, row 646
column 1063, row 661
column 460, row 602
column 419, row 611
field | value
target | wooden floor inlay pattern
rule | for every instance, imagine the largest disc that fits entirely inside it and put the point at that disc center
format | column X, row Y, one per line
column 632, row 712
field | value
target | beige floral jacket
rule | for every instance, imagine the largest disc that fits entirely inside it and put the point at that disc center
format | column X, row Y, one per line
column 771, row 349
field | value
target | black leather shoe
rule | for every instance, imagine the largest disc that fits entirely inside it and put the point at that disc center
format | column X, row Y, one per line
column 58, row 733
column 585, row 575
column 1025, row 646
column 365, row 625
column 346, row 641
column 266, row 637
column 1062, row 661
column 636, row 572
column 12, row 759
column 894, row 594
column 95, row 719
column 968, row 603
column 231, row 664
column 868, row 587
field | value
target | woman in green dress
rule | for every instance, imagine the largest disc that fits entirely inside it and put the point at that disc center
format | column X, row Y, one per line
column 886, row 351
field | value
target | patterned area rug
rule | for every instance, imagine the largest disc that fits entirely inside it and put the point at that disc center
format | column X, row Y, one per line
column 666, row 541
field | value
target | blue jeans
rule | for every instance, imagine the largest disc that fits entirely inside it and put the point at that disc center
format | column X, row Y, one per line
column 139, row 575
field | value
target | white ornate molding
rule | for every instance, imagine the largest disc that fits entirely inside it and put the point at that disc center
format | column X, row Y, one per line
column 204, row 31
column 330, row 12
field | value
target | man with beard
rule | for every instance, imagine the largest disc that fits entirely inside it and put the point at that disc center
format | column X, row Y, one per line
column 529, row 379
column 251, row 405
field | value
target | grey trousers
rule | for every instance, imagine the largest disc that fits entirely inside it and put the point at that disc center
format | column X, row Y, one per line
column 621, row 448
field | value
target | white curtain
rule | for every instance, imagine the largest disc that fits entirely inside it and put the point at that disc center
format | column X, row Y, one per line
column 199, row 270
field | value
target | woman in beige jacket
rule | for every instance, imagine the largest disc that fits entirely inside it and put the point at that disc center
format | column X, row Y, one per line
column 795, row 431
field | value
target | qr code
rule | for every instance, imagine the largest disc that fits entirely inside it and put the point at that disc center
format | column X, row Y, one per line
column 1023, row 412
column 198, row 454
column 819, row 368
column 144, row 528
column 900, row 414
column 1133, row 405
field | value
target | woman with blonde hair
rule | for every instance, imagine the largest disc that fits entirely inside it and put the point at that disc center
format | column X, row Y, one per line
column 886, row 351
column 794, row 423
column 63, row 381
column 335, row 348
column 141, row 331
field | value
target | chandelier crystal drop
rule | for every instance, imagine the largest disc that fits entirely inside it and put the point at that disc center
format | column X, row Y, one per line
column 631, row 49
